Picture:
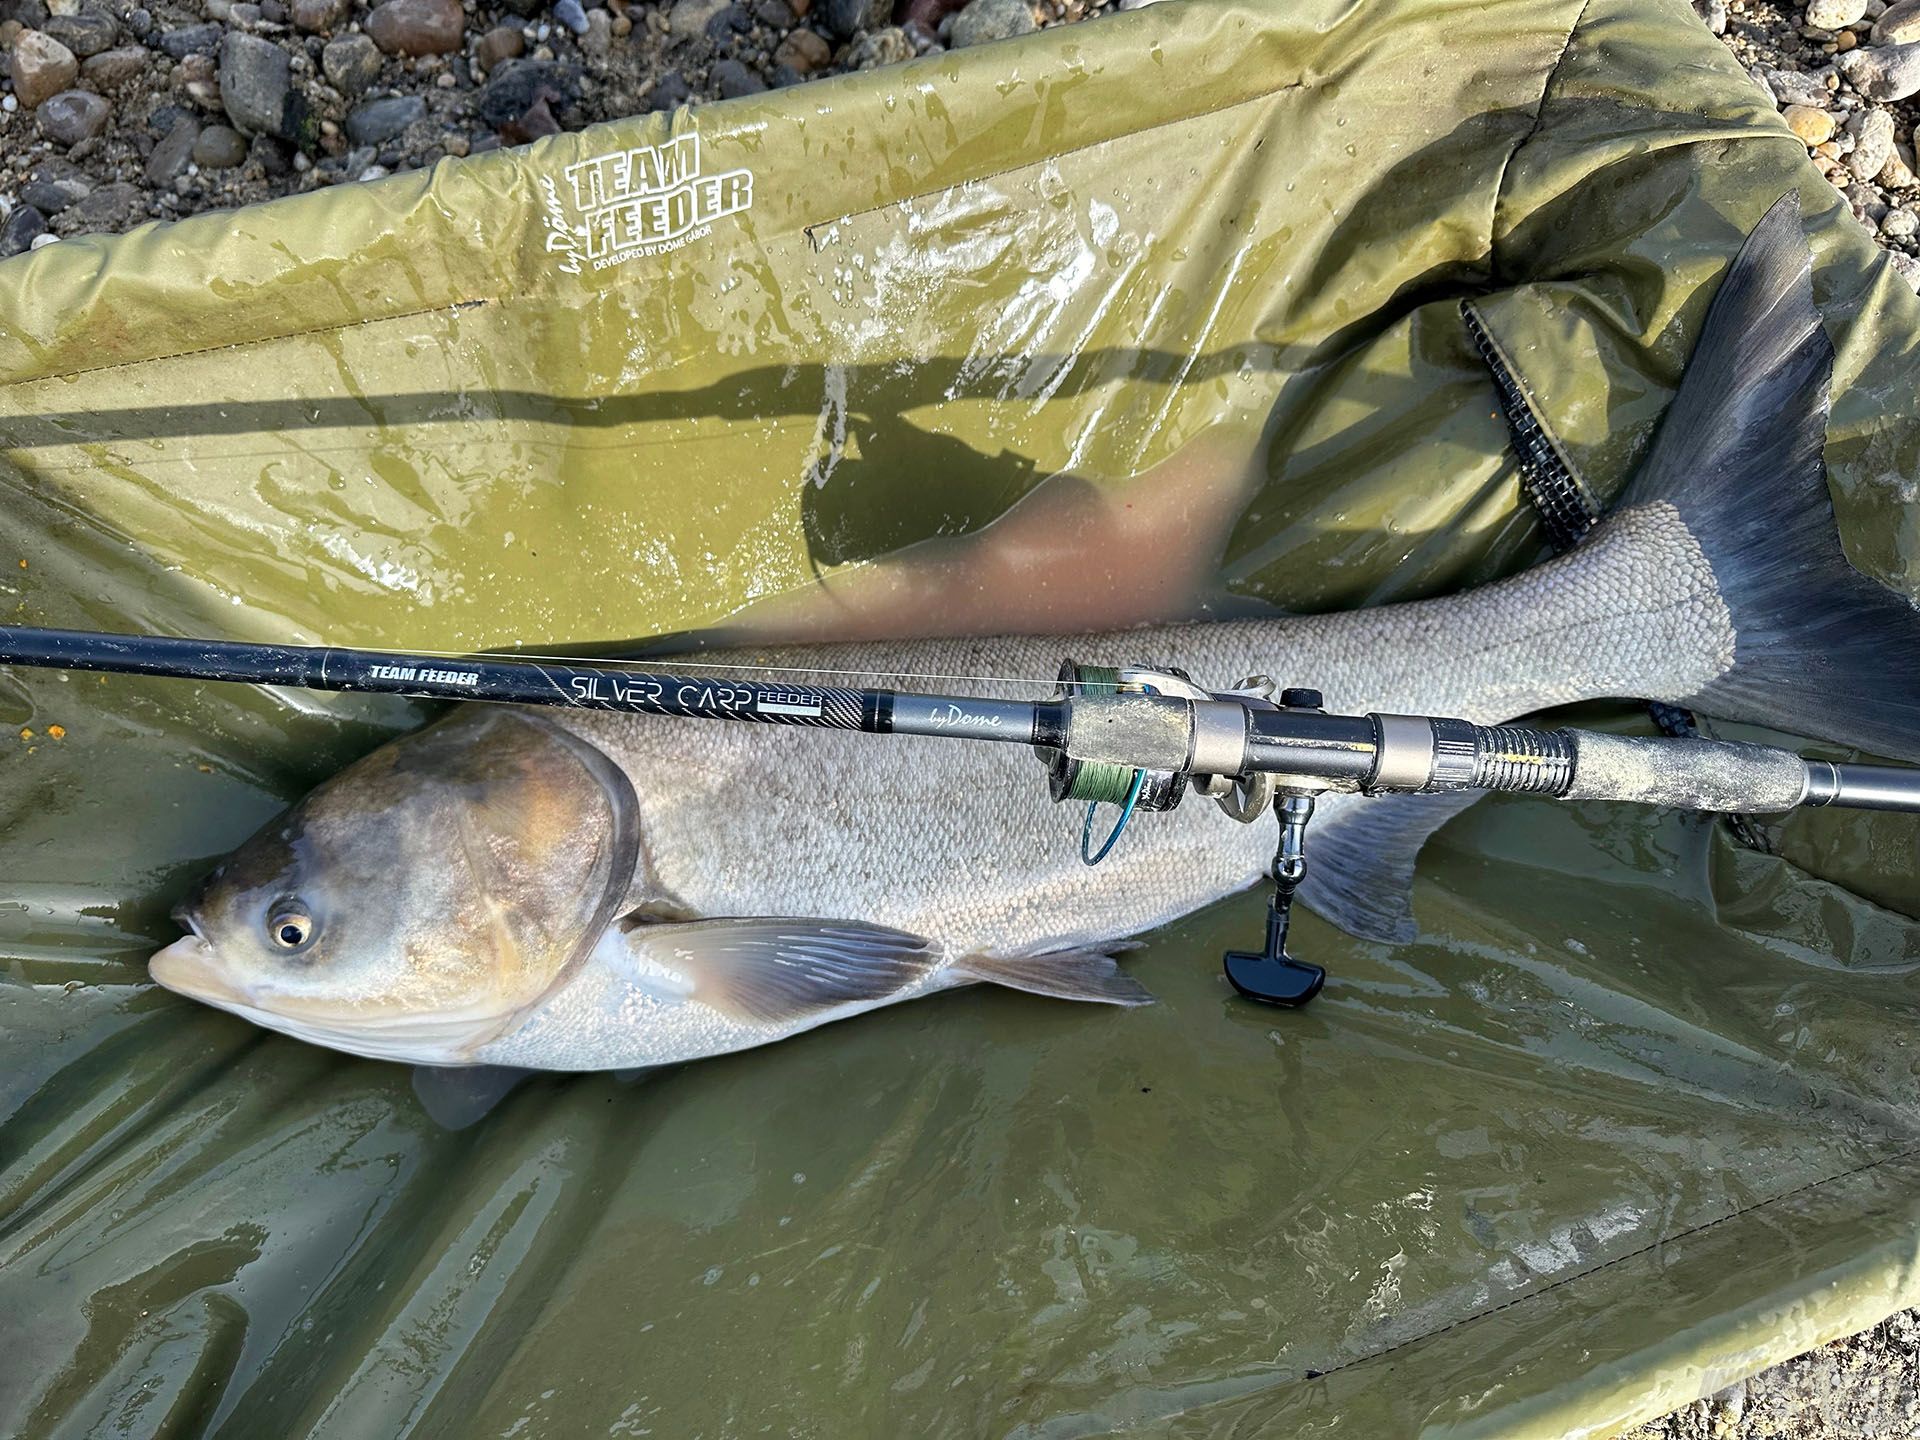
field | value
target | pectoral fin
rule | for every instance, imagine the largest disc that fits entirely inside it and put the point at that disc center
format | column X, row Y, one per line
column 786, row 971
column 455, row 1097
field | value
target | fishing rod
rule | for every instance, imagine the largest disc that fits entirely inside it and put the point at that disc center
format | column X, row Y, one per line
column 1134, row 737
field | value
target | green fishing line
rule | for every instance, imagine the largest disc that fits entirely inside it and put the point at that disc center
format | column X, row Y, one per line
column 1098, row 780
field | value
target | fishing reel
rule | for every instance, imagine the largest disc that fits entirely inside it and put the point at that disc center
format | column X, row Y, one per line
column 1243, row 798
column 1270, row 975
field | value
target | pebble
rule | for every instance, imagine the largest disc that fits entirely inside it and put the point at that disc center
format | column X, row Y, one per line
column 1867, row 205
column 21, row 229
column 317, row 16
column 352, row 63
column 1712, row 13
column 804, row 51
column 1835, row 14
column 1872, row 132
column 42, row 67
column 687, row 20
column 1792, row 87
column 86, row 33
column 669, row 92
column 886, row 46
column 52, row 195
column 730, row 20
column 571, row 14
column 171, row 156
column 1898, row 25
column 1905, row 265
column 379, row 120
column 220, row 147
column 986, row 20
column 1883, row 72
column 1898, row 173
column 191, row 40
column 732, row 79
column 597, row 43
column 72, row 116
column 256, row 85
column 513, row 89
column 197, row 77
column 1900, row 224
column 503, row 42
column 418, row 27
column 269, row 154
column 774, row 14
column 245, row 16
column 847, row 18
column 111, row 68
column 1814, row 127
column 111, row 207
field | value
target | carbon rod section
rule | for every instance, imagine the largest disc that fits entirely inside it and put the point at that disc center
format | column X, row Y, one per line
column 1312, row 744
column 519, row 682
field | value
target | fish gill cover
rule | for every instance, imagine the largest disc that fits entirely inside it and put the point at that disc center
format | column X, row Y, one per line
column 1632, row 1116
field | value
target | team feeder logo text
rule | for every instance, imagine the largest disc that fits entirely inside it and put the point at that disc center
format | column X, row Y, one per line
column 649, row 199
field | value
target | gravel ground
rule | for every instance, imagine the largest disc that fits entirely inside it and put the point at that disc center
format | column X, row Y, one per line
column 1861, row 1387
column 114, row 112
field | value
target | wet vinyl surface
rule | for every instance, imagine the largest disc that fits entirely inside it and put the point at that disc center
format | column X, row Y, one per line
column 976, row 1213
column 1635, row 1115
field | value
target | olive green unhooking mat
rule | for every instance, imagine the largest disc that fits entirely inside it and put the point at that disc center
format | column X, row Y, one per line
column 1634, row 1117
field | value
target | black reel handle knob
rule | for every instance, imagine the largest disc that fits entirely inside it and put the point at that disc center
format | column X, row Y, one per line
column 1272, row 976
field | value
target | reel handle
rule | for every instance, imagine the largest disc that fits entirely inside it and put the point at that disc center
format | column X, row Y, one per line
column 1272, row 976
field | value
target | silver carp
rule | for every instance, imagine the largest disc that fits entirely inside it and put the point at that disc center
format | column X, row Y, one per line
column 580, row 890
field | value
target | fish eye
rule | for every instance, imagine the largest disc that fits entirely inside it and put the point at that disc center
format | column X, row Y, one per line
column 290, row 927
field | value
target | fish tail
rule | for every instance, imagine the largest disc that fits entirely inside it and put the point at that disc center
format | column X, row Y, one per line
column 1059, row 974
column 1818, row 647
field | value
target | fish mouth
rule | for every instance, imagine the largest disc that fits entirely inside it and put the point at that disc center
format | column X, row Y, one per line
column 190, row 967
column 186, row 966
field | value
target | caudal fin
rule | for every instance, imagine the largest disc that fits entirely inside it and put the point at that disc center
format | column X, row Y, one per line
column 1061, row 974
column 1819, row 649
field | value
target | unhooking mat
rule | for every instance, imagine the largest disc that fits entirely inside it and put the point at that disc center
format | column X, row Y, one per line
column 1635, row 1116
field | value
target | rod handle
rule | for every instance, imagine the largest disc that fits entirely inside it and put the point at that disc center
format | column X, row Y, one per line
column 1725, row 776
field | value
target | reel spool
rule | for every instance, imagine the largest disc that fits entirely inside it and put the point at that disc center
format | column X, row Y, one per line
column 1094, row 781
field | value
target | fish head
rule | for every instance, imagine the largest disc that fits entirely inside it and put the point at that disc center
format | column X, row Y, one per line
column 410, row 907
